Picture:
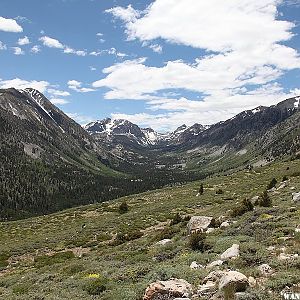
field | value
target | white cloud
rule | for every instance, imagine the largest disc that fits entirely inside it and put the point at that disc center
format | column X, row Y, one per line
column 18, row 83
column 77, row 86
column 35, row 49
column 156, row 48
column 111, row 51
column 59, row 101
column 99, row 34
column 92, row 68
column 54, row 43
column 69, row 50
column 244, row 58
column 2, row 46
column 23, row 41
column 81, row 119
column 58, row 92
column 51, row 43
column 207, row 24
column 18, row 51
column 128, row 14
column 9, row 25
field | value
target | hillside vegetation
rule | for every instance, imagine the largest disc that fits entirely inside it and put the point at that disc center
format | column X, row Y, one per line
column 111, row 250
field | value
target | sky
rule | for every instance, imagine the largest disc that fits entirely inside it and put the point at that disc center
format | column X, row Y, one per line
column 159, row 63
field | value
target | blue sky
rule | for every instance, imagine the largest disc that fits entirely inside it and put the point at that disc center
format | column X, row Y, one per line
column 157, row 63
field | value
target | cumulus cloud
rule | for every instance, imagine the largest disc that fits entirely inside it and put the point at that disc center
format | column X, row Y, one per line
column 18, row 51
column 35, row 49
column 23, row 41
column 81, row 119
column 77, row 86
column 59, row 101
column 9, row 25
column 51, row 43
column 18, row 83
column 58, row 92
column 244, row 57
column 54, row 43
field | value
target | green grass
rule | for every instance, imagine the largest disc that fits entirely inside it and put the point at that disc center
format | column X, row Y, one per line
column 51, row 257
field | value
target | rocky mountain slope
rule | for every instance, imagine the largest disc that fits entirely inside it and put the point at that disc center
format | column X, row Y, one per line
column 252, row 137
column 49, row 162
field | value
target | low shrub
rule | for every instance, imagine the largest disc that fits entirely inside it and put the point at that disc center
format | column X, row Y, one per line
column 47, row 260
column 197, row 242
column 272, row 184
column 242, row 208
column 265, row 200
column 176, row 219
column 123, row 208
column 96, row 286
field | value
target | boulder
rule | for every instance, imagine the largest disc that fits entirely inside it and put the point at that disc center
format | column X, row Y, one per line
column 265, row 270
column 225, row 224
column 164, row 242
column 252, row 282
column 214, row 276
column 283, row 185
column 296, row 197
column 170, row 289
column 210, row 230
column 194, row 266
column 235, row 280
column 199, row 223
column 283, row 256
column 232, row 252
column 215, row 263
column 207, row 289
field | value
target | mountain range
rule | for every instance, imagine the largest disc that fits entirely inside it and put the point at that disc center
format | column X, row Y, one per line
column 49, row 162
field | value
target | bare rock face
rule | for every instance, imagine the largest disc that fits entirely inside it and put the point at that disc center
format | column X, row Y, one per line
column 235, row 280
column 168, row 290
column 199, row 224
column 232, row 252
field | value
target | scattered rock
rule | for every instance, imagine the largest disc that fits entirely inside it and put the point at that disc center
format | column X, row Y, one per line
column 215, row 263
column 283, row 185
column 210, row 230
column 244, row 296
column 265, row 270
column 164, row 242
column 207, row 289
column 194, row 265
column 232, row 252
column 225, row 224
column 236, row 280
column 214, row 276
column 284, row 256
column 255, row 198
column 292, row 188
column 199, row 223
column 296, row 197
column 171, row 289
column 252, row 282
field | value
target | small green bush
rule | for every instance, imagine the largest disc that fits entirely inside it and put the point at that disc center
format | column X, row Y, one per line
column 47, row 260
column 166, row 233
column 96, row 286
column 123, row 208
column 197, row 242
column 242, row 208
column 201, row 189
column 272, row 184
column 176, row 219
column 284, row 178
column 265, row 200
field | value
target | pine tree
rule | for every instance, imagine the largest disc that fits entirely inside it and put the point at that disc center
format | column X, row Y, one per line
column 201, row 189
